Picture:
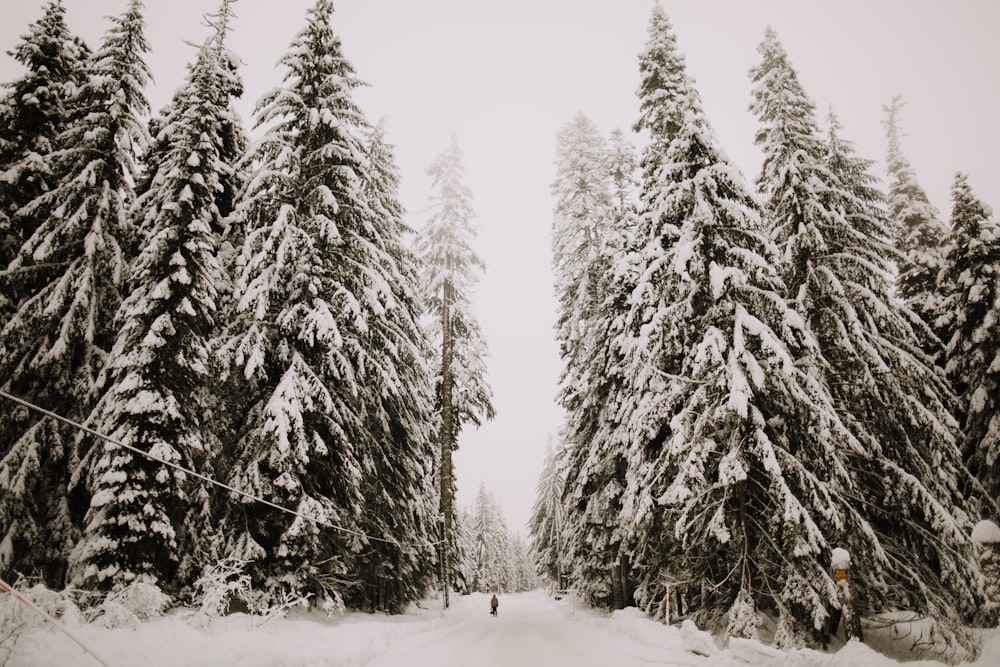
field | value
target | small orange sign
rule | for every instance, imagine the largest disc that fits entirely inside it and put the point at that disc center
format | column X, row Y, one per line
column 840, row 575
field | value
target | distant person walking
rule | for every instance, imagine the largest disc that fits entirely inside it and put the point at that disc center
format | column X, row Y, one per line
column 494, row 603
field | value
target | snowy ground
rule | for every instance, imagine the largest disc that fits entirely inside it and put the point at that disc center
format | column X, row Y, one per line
column 531, row 629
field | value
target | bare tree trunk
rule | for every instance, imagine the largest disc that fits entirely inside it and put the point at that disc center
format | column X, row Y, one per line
column 446, row 439
column 628, row 590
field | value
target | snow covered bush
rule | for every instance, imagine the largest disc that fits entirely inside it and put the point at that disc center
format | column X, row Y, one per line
column 278, row 600
column 332, row 604
column 227, row 585
column 219, row 585
column 128, row 605
column 787, row 636
column 743, row 617
column 906, row 636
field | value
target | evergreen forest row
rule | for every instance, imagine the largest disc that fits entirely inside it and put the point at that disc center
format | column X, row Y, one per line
column 766, row 383
column 222, row 361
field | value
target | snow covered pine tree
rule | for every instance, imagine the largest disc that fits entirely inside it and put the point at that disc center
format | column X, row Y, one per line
column 969, row 319
column 35, row 526
column 547, row 524
column 449, row 270
column 920, row 234
column 72, row 270
column 909, row 524
column 734, row 446
column 144, row 520
column 339, row 409
column 34, row 111
column 593, row 188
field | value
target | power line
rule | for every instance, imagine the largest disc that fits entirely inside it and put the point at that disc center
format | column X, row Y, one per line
column 198, row 475
column 41, row 612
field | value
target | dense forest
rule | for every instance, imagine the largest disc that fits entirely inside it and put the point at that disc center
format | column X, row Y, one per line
column 222, row 359
column 762, row 379
column 232, row 373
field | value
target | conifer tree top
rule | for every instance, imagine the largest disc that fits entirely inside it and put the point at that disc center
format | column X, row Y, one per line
column 664, row 85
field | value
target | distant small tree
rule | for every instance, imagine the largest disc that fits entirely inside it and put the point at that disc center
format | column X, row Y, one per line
column 464, row 566
column 498, row 559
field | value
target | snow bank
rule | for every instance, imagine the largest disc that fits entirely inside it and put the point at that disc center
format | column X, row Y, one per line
column 174, row 641
column 990, row 657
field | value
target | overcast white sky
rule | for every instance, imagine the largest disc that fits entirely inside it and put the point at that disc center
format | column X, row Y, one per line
column 506, row 76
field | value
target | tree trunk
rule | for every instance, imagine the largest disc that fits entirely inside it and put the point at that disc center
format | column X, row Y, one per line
column 446, row 439
column 621, row 588
column 851, row 619
column 617, row 596
column 628, row 590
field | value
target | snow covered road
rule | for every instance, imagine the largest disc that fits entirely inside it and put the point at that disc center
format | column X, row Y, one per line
column 530, row 630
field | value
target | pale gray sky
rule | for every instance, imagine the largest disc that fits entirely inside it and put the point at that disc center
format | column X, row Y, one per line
column 506, row 76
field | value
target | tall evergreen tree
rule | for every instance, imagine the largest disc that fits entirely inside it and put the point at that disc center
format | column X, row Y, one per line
column 663, row 92
column 450, row 269
column 399, row 489
column 663, row 83
column 920, row 233
column 141, row 521
column 969, row 318
column 727, row 410
column 836, row 256
column 589, row 230
column 583, row 213
column 327, row 342
column 597, row 467
column 444, row 248
column 34, row 111
column 72, row 268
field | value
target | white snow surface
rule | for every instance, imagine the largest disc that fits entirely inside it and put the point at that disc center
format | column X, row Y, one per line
column 530, row 629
